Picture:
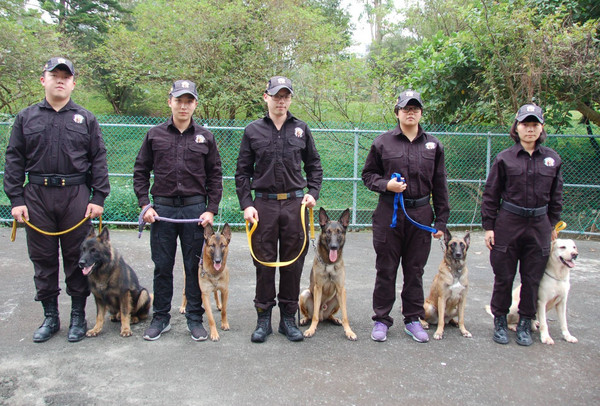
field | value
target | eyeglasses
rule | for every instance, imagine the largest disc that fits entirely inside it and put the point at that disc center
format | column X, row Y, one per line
column 410, row 109
column 278, row 97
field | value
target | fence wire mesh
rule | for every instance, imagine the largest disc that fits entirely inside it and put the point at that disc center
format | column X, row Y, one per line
column 343, row 149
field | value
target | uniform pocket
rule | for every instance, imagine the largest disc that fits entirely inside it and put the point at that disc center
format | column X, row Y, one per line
column 34, row 139
column 195, row 156
column 76, row 137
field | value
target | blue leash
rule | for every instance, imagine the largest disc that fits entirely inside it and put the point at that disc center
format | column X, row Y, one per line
column 399, row 199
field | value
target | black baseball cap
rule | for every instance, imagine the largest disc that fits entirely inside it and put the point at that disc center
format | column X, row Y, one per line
column 530, row 110
column 59, row 61
column 181, row 87
column 276, row 83
column 406, row 96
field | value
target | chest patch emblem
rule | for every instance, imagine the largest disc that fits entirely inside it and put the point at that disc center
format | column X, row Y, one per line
column 200, row 139
column 298, row 132
column 549, row 161
column 78, row 118
column 430, row 145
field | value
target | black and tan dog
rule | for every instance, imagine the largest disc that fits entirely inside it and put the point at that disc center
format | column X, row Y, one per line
column 448, row 294
column 114, row 284
column 213, row 276
column 327, row 291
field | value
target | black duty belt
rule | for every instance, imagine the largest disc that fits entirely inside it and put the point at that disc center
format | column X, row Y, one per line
column 178, row 201
column 524, row 211
column 57, row 180
column 410, row 203
column 279, row 196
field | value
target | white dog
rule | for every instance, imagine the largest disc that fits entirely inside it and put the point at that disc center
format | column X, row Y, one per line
column 552, row 293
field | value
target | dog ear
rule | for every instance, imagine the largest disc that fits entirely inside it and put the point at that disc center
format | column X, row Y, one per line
column 467, row 238
column 104, row 236
column 227, row 232
column 208, row 231
column 323, row 217
column 345, row 218
column 447, row 236
column 92, row 233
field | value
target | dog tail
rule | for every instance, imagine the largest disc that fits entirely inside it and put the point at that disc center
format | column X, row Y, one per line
column 488, row 310
column 144, row 303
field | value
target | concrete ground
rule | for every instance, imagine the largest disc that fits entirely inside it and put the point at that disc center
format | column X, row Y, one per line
column 327, row 369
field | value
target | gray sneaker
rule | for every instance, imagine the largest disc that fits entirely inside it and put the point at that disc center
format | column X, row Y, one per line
column 197, row 330
column 158, row 326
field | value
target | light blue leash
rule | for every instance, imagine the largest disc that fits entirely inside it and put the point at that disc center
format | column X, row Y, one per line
column 399, row 199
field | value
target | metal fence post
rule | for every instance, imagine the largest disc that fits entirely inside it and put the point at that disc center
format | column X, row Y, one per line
column 355, row 176
column 488, row 155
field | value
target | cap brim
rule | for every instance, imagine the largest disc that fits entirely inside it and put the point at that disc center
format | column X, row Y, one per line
column 180, row 93
column 273, row 91
column 522, row 117
column 62, row 65
column 403, row 103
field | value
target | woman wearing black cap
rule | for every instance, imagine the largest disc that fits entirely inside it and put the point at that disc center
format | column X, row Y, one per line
column 419, row 158
column 521, row 204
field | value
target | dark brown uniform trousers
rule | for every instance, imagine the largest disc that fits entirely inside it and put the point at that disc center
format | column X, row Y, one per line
column 279, row 224
column 524, row 241
column 404, row 244
column 56, row 209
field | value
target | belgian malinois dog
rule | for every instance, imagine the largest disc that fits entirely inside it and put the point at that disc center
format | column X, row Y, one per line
column 448, row 294
column 213, row 276
column 114, row 284
column 327, row 293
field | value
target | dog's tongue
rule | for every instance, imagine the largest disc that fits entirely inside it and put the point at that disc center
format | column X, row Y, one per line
column 217, row 266
column 87, row 270
column 333, row 255
column 570, row 263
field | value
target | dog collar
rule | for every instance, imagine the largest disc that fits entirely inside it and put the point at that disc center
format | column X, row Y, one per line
column 555, row 278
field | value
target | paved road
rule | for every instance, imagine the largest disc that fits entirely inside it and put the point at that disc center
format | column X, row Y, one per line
column 326, row 369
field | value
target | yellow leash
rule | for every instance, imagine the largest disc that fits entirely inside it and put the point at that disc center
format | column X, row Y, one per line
column 284, row 263
column 13, row 234
column 561, row 225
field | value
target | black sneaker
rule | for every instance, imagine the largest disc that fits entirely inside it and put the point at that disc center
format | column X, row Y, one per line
column 197, row 330
column 157, row 327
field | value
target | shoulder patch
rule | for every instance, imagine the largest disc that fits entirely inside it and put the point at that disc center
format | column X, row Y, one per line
column 78, row 118
column 430, row 145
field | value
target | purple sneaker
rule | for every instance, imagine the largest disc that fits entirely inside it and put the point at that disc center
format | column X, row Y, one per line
column 379, row 332
column 415, row 330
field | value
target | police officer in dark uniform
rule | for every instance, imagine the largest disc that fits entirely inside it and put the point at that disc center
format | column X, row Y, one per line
column 522, row 202
column 270, row 160
column 419, row 158
column 59, row 146
column 188, row 183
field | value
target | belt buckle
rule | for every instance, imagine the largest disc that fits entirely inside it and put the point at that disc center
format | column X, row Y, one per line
column 177, row 201
column 282, row 196
column 529, row 212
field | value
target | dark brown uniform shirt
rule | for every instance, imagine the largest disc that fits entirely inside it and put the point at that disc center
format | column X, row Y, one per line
column 270, row 161
column 185, row 164
column 420, row 162
column 525, row 180
column 67, row 142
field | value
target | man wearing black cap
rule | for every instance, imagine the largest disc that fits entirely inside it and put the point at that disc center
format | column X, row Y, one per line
column 273, row 151
column 58, row 144
column 419, row 158
column 521, row 204
column 188, row 183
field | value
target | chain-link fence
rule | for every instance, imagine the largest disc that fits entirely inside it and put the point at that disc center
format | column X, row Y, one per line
column 343, row 149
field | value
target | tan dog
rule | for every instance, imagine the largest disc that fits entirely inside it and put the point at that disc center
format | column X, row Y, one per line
column 213, row 277
column 553, row 291
column 327, row 292
column 448, row 294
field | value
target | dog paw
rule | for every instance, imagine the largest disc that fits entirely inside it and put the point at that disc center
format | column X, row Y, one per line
column 215, row 337
column 310, row 332
column 569, row 338
column 225, row 326
column 335, row 321
column 126, row 332
column 547, row 340
column 182, row 309
column 350, row 335
column 304, row 321
column 466, row 334
column 92, row 333
column 424, row 324
column 438, row 336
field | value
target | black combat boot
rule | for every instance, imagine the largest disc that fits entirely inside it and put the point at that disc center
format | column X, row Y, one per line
column 78, row 326
column 51, row 323
column 287, row 326
column 500, row 330
column 263, row 326
column 524, row 331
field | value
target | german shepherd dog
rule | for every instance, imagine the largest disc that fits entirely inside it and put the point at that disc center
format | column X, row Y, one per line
column 327, row 293
column 448, row 294
column 213, row 276
column 114, row 284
